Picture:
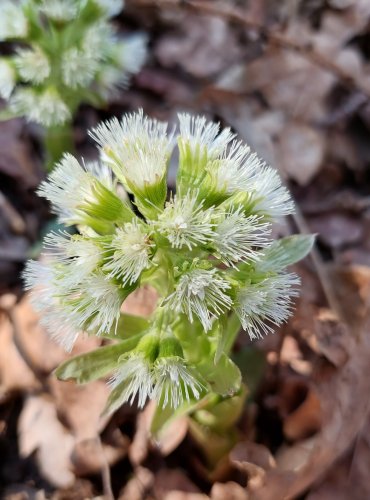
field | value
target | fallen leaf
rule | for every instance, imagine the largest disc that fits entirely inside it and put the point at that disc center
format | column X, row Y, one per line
column 40, row 431
column 229, row 491
column 300, row 152
column 15, row 374
column 305, row 420
column 138, row 486
column 205, row 46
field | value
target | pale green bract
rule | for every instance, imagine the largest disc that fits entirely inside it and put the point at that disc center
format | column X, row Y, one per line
column 210, row 258
column 68, row 53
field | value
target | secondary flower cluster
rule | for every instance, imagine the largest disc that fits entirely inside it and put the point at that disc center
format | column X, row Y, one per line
column 69, row 53
column 207, row 250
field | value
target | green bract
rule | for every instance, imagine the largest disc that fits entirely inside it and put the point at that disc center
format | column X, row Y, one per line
column 68, row 53
column 207, row 251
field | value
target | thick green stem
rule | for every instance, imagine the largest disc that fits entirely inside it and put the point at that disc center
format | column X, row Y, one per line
column 58, row 140
column 232, row 330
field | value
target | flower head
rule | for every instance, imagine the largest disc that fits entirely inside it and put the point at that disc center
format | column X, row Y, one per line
column 199, row 142
column 46, row 108
column 268, row 196
column 201, row 292
column 13, row 22
column 269, row 300
column 79, row 67
column 184, row 222
column 238, row 237
column 60, row 10
column 175, row 382
column 83, row 194
column 133, row 379
column 32, row 65
column 138, row 149
column 128, row 254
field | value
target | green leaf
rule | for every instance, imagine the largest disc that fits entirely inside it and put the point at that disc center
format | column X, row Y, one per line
column 95, row 364
column 287, row 251
column 116, row 398
column 164, row 416
column 224, row 377
column 128, row 325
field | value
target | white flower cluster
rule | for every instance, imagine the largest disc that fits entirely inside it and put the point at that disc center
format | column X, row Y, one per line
column 49, row 76
column 207, row 249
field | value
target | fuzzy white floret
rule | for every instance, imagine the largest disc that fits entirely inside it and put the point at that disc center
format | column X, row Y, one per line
column 71, row 184
column 136, row 372
column 79, row 67
column 238, row 238
column 270, row 196
column 46, row 108
column 137, row 147
column 185, row 223
column 97, row 304
column 13, row 22
column 60, row 10
column 131, row 53
column 233, row 168
column 7, row 79
column 42, row 280
column 174, row 382
column 80, row 256
column 32, row 65
column 131, row 252
column 200, row 133
column 269, row 300
column 201, row 293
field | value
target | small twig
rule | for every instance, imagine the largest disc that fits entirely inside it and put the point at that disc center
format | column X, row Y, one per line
column 237, row 15
column 105, row 473
column 321, row 270
column 14, row 219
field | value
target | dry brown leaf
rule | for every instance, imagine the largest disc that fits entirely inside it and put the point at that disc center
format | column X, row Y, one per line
column 305, row 420
column 173, row 481
column 41, row 349
column 300, row 152
column 229, row 491
column 329, row 337
column 255, row 453
column 205, row 46
column 81, row 406
column 14, row 372
column 181, row 495
column 40, row 431
column 138, row 486
column 172, row 436
column 90, row 456
column 141, row 302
